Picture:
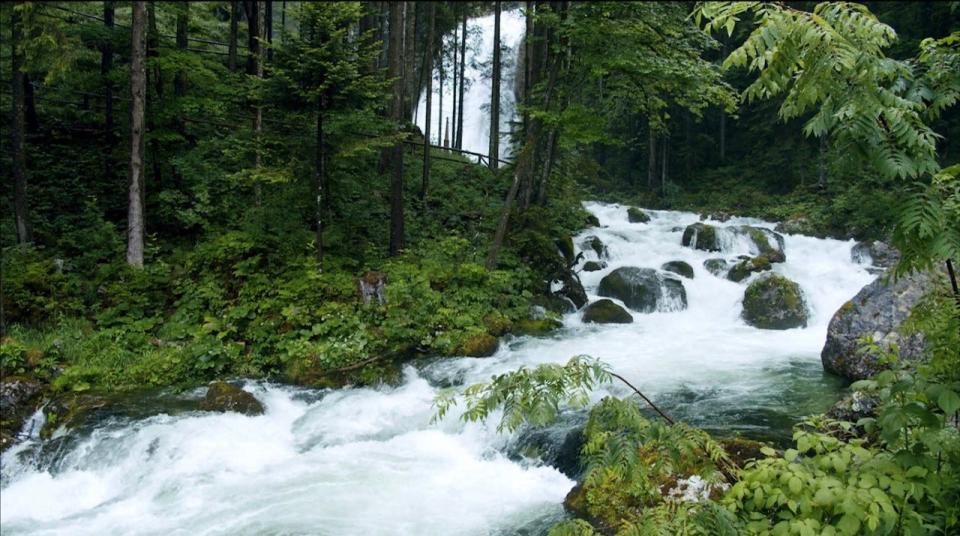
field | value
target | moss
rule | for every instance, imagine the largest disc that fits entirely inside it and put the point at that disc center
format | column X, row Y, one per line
column 542, row 326
column 742, row 450
column 497, row 324
column 592, row 221
column 479, row 344
column 774, row 302
column 701, row 236
column 224, row 397
column 679, row 267
column 606, row 312
column 565, row 245
column 70, row 410
column 743, row 269
column 635, row 215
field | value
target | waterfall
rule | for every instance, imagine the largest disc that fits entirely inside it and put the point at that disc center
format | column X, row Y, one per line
column 371, row 460
column 476, row 108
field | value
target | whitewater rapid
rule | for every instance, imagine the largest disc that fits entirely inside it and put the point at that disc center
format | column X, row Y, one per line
column 372, row 461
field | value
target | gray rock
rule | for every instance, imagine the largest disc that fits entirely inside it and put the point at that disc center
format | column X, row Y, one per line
column 644, row 289
column 877, row 311
column 716, row 266
column 594, row 266
column 715, row 216
column 606, row 312
column 880, row 254
column 701, row 236
column 774, row 302
column 799, row 225
column 572, row 290
column 745, row 268
column 224, row 397
column 18, row 400
column 857, row 405
column 596, row 245
column 635, row 215
column 679, row 268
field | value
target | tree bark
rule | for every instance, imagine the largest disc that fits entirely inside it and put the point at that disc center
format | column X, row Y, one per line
column 24, row 234
column 320, row 180
column 428, row 58
column 153, row 43
column 106, row 64
column 463, row 62
column 396, row 108
column 258, row 107
column 268, row 26
column 664, row 148
column 822, row 160
column 723, row 135
column 138, row 75
column 232, row 46
column 494, row 151
column 651, row 156
column 252, row 7
column 183, row 15
column 456, row 73
column 409, row 56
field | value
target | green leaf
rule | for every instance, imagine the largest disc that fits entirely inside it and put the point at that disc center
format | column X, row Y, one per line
column 949, row 401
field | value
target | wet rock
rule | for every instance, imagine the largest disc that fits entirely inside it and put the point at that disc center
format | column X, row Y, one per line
column 879, row 254
column 644, row 289
column 877, row 311
column 774, row 302
column 224, row 397
column 765, row 241
column 857, row 405
column 716, row 216
column 71, row 410
column 742, row 450
column 799, row 225
column 592, row 221
column 478, row 345
column 18, row 400
column 565, row 245
column 745, row 269
column 542, row 326
column 596, row 245
column 716, row 266
column 606, row 312
column 701, row 236
column 678, row 267
column 557, row 444
column 635, row 215
column 554, row 303
column 594, row 266
column 572, row 290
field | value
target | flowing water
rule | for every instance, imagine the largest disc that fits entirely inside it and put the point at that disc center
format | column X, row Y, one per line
column 370, row 461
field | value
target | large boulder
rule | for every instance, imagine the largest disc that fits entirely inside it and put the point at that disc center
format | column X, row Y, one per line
column 565, row 246
column 716, row 266
column 594, row 266
column 18, row 400
column 480, row 344
column 876, row 253
column 224, row 397
column 635, row 215
column 596, row 245
column 774, row 302
column 798, row 225
column 764, row 241
column 679, row 268
column 572, row 290
column 745, row 268
column 644, row 289
column 701, row 236
column 877, row 311
column 606, row 312
column 553, row 303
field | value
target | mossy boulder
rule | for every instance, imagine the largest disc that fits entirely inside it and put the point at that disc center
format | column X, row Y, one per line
column 225, row 397
column 744, row 269
column 554, row 303
column 541, row 326
column 716, row 266
column 596, row 245
column 678, row 267
column 774, row 302
column 70, row 410
column 19, row 398
column 765, row 241
column 592, row 221
column 572, row 290
column 565, row 245
column 479, row 344
column 594, row 266
column 878, row 255
column 701, row 236
column 606, row 312
column 742, row 450
column 644, row 289
column 635, row 215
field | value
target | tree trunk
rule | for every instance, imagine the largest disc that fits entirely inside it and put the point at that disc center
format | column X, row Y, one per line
column 24, row 234
column 153, row 43
column 723, row 136
column 320, row 180
column 138, row 75
column 651, row 156
column 409, row 56
column 268, row 26
column 283, row 20
column 456, row 73
column 232, row 47
column 258, row 107
column 440, row 74
column 183, row 14
column 822, row 160
column 527, row 61
column 252, row 8
column 463, row 62
column 494, row 151
column 664, row 148
column 428, row 59
column 547, row 166
column 106, row 65
column 396, row 110
column 33, row 122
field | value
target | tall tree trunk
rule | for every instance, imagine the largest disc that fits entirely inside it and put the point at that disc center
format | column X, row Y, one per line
column 822, row 160
column 252, row 8
column 153, row 43
column 138, row 83
column 463, row 62
column 723, row 136
column 33, row 122
column 664, row 148
column 456, row 73
column 527, row 61
column 547, row 166
column 268, row 26
column 232, row 46
column 106, row 65
column 428, row 58
column 522, row 170
column 283, row 20
column 183, row 15
column 396, row 112
column 494, row 151
column 320, row 179
column 440, row 74
column 651, row 156
column 24, row 234
column 409, row 57
column 258, row 58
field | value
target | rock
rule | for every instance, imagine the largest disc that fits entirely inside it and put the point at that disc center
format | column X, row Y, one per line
column 572, row 290
column 644, row 289
column 635, row 215
column 592, row 221
column 553, row 303
column 606, row 312
column 765, row 241
column 877, row 311
column 576, row 502
column 741, row 450
column 530, row 326
column 594, row 266
column 676, row 229
column 701, row 236
column 715, row 216
column 594, row 243
column 744, row 269
column 715, row 266
column 857, row 405
column 71, row 410
column 18, row 400
column 879, row 254
column 565, row 245
column 774, row 302
column 224, row 397
column 557, row 444
column 678, row 267
column 798, row 225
